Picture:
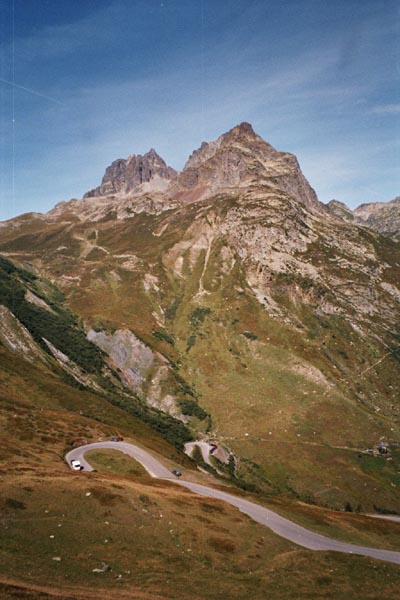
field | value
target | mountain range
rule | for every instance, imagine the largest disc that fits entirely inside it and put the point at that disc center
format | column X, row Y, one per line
column 224, row 302
column 383, row 217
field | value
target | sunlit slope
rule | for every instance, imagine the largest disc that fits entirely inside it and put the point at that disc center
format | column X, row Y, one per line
column 282, row 323
column 59, row 526
column 83, row 536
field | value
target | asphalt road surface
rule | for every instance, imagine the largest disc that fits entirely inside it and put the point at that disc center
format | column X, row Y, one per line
column 204, row 449
column 279, row 525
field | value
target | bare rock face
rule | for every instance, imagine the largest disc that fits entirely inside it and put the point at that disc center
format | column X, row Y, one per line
column 341, row 210
column 128, row 353
column 237, row 159
column 383, row 217
column 15, row 337
column 135, row 174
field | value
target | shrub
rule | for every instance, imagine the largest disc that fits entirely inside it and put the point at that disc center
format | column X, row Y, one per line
column 191, row 408
column 222, row 545
column 164, row 337
column 60, row 327
column 170, row 311
column 191, row 342
column 184, row 386
column 198, row 315
column 250, row 335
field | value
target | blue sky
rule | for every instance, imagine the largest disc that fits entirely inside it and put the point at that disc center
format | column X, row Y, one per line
column 85, row 82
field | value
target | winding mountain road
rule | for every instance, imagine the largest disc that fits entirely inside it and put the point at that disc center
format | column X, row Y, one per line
column 279, row 525
column 204, row 448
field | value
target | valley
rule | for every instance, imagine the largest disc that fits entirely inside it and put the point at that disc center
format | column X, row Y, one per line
column 224, row 304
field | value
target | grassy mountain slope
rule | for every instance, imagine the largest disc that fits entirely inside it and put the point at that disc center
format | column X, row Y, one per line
column 158, row 542
column 252, row 372
column 231, row 306
column 58, row 526
column 281, row 322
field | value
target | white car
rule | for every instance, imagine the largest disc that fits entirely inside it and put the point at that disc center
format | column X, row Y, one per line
column 76, row 465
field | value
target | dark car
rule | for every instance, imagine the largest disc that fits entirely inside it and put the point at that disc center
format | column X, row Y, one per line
column 177, row 473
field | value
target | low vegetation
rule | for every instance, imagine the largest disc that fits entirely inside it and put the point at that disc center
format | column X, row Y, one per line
column 297, row 392
column 114, row 461
column 120, row 538
column 55, row 323
column 164, row 337
column 189, row 407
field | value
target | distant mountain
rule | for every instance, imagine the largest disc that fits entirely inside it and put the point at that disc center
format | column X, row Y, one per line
column 383, row 217
column 135, row 174
column 340, row 209
column 231, row 299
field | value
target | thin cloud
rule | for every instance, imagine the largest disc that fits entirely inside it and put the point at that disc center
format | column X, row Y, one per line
column 97, row 29
column 386, row 109
column 30, row 90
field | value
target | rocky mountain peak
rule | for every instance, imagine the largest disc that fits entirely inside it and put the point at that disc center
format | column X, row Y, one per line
column 152, row 154
column 241, row 136
column 242, row 131
column 367, row 210
column 244, row 128
column 135, row 174
column 383, row 217
column 237, row 159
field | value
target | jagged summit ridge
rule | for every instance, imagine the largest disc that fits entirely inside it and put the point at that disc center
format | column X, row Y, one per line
column 208, row 149
column 237, row 159
column 134, row 174
column 383, row 217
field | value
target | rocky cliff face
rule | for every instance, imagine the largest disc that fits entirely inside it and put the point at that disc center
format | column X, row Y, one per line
column 239, row 159
column 133, row 175
column 383, row 217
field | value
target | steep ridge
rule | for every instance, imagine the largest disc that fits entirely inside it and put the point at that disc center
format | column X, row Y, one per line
column 279, row 318
column 238, row 159
column 383, row 217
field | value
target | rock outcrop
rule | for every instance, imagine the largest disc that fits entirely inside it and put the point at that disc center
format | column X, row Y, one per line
column 135, row 174
column 237, row 159
column 383, row 217
column 341, row 210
